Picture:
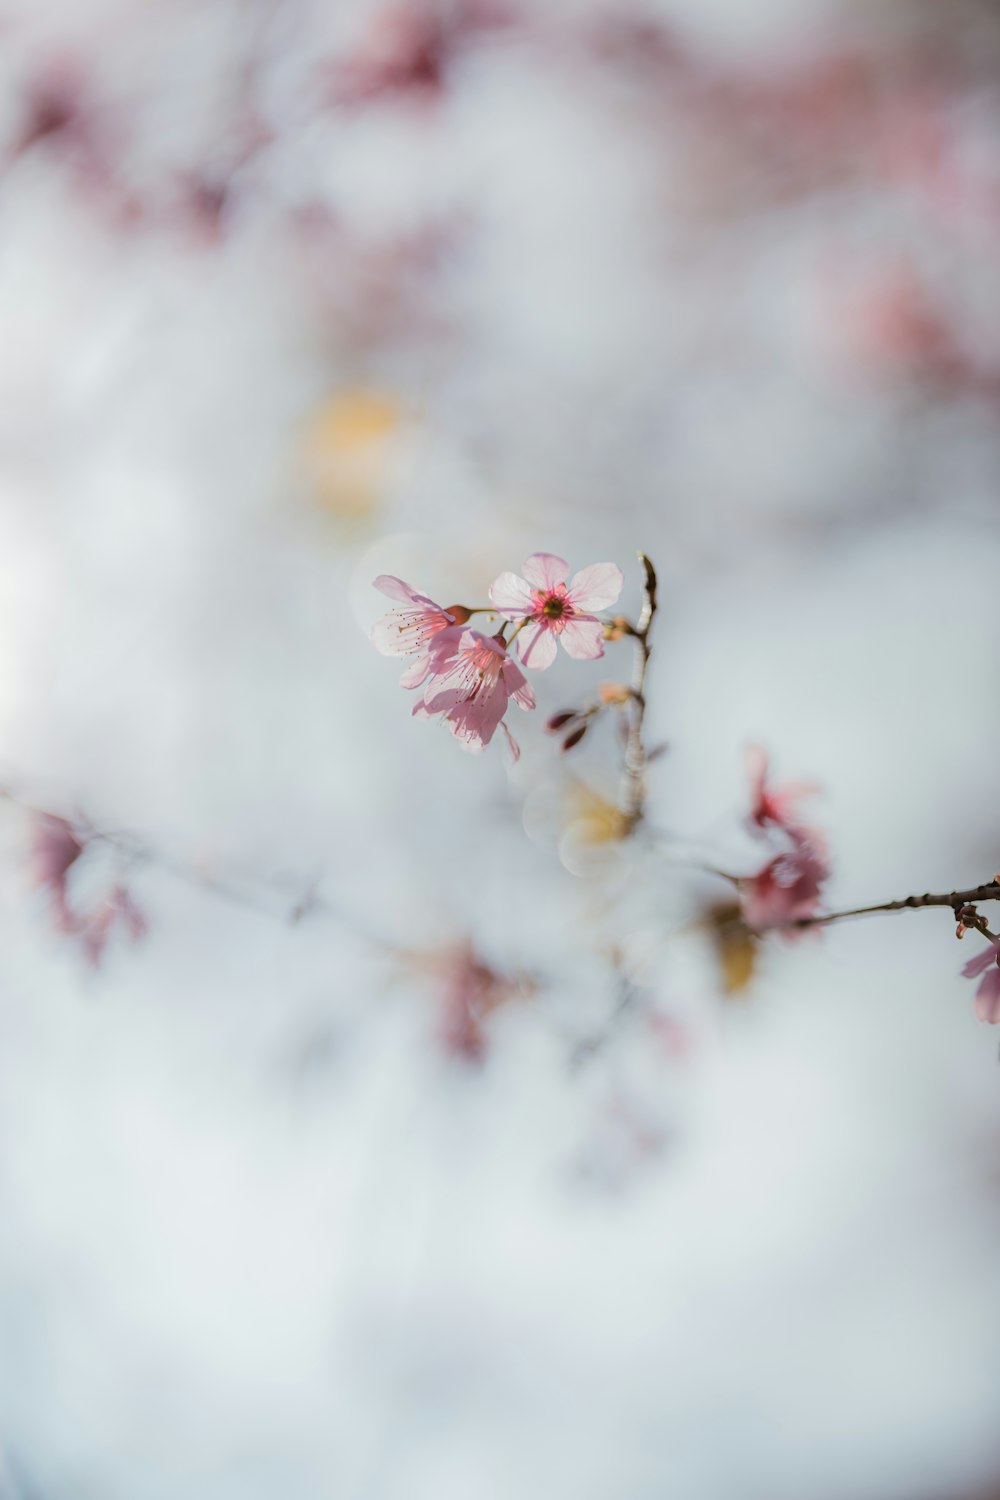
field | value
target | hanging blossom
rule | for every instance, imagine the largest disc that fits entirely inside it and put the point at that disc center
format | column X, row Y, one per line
column 789, row 887
column 409, row 632
column 554, row 610
column 473, row 678
column 987, row 965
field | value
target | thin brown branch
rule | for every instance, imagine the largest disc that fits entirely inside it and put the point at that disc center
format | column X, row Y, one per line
column 950, row 899
column 633, row 793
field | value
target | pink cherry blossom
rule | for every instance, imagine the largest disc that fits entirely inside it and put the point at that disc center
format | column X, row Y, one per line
column 774, row 806
column 987, row 964
column 472, row 680
column 408, row 632
column 789, row 886
column 557, row 610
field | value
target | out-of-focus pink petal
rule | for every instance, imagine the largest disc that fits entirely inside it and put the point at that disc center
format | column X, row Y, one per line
column 512, row 745
column 988, row 998
column 980, row 963
column 583, row 639
column 757, row 763
column 776, row 805
column 537, row 646
column 596, row 587
column 56, row 848
column 511, row 595
column 544, row 571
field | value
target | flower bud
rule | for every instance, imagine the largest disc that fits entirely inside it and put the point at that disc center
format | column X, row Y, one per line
column 614, row 693
column 459, row 613
column 558, row 721
column 575, row 737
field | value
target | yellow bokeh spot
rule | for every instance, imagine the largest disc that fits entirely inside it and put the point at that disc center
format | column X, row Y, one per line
column 350, row 452
column 735, row 946
column 592, row 818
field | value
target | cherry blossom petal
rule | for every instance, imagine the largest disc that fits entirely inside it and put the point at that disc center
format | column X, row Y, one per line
column 393, row 634
column 988, row 998
column 512, row 596
column 596, row 587
column 395, row 588
column 443, row 694
column 537, row 646
column 544, row 571
column 417, row 672
column 980, row 963
column 474, row 721
column 518, row 687
column 583, row 639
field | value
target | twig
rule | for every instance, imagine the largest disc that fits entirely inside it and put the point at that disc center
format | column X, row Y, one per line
column 633, row 794
column 952, row 899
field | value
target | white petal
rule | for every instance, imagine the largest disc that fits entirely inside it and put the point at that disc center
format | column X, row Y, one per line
column 583, row 639
column 537, row 646
column 511, row 595
column 596, row 587
column 544, row 570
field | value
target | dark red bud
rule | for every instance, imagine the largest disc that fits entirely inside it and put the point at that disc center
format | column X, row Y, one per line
column 575, row 737
column 557, row 721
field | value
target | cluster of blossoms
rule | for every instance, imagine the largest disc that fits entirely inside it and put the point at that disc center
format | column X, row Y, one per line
column 469, row 678
column 788, row 889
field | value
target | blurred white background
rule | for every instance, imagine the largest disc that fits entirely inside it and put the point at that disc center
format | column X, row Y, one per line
column 293, row 293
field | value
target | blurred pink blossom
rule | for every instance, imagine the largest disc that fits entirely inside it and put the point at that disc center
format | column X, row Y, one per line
column 471, row 991
column 774, row 806
column 56, row 848
column 473, row 680
column 986, row 964
column 789, row 886
column 556, row 610
column 409, row 632
column 118, row 909
column 410, row 50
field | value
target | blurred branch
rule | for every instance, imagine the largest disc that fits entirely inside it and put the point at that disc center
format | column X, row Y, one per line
column 285, row 899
